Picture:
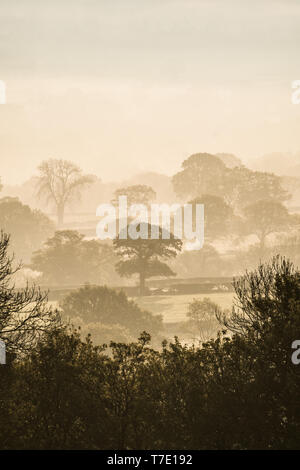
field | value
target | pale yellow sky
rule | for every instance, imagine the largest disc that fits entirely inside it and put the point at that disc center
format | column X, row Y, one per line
column 126, row 86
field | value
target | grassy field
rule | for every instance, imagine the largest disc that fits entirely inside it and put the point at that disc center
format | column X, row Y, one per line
column 173, row 307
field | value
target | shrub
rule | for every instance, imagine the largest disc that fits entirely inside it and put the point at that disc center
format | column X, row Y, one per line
column 102, row 304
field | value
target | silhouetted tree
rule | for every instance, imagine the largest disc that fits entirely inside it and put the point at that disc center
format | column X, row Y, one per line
column 24, row 315
column 66, row 258
column 202, row 315
column 243, row 187
column 265, row 217
column 105, row 305
column 143, row 256
column 218, row 215
column 60, row 182
column 27, row 228
column 202, row 173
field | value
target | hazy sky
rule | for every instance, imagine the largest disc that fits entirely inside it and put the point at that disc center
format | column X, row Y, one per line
column 123, row 86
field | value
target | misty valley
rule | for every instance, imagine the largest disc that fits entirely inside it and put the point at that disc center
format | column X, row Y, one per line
column 149, row 230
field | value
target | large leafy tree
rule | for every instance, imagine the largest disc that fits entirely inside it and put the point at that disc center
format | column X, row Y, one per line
column 266, row 216
column 28, row 228
column 244, row 186
column 202, row 173
column 218, row 215
column 144, row 256
column 60, row 182
column 67, row 258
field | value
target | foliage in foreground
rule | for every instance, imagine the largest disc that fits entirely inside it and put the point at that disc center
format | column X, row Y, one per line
column 234, row 392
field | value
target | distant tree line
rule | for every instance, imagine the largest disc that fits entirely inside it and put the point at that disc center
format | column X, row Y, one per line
column 238, row 202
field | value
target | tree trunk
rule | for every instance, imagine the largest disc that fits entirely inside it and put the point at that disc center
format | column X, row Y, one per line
column 60, row 215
